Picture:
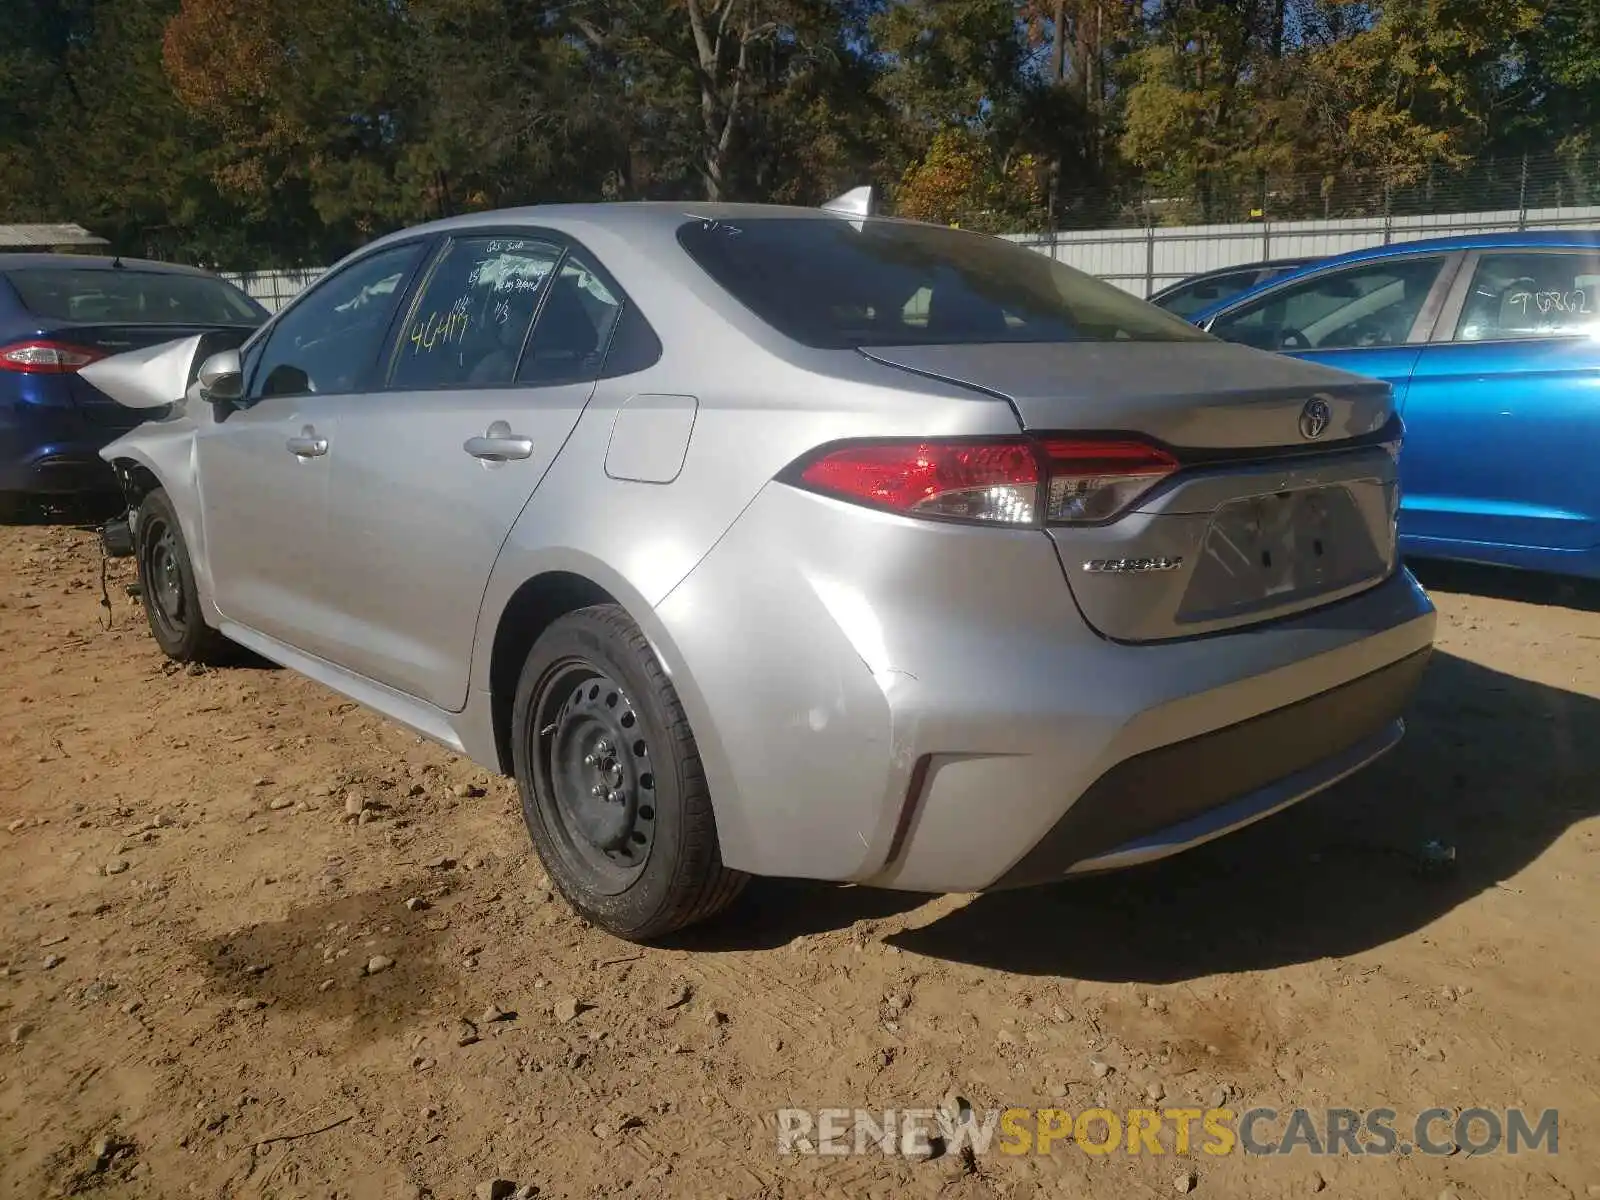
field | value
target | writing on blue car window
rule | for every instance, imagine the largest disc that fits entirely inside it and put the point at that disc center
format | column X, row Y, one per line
column 1562, row 302
column 1527, row 293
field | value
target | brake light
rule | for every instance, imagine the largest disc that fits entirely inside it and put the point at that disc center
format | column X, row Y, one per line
column 46, row 358
column 1022, row 481
column 1094, row 481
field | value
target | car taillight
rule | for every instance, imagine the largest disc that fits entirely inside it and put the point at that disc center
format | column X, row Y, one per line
column 1093, row 481
column 46, row 358
column 1022, row 481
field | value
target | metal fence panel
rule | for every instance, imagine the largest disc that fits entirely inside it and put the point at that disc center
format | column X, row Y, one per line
column 274, row 289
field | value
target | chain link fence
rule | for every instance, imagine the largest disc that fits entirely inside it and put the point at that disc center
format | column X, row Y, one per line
column 1491, row 184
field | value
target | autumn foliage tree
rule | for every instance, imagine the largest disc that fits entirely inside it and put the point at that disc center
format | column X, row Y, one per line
column 959, row 182
column 263, row 132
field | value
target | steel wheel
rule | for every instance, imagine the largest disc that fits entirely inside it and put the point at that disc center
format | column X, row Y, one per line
column 593, row 776
column 168, row 587
column 613, row 793
column 163, row 574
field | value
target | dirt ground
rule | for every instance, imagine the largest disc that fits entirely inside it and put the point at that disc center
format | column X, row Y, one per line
column 187, row 915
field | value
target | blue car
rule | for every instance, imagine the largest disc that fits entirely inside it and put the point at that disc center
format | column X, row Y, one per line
column 1492, row 344
column 59, row 312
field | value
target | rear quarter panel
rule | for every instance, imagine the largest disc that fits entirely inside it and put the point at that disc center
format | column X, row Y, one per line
column 757, row 411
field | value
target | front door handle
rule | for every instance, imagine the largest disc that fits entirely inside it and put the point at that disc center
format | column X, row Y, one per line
column 308, row 444
column 499, row 444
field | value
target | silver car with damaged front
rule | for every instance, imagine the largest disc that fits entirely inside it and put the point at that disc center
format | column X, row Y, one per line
column 757, row 540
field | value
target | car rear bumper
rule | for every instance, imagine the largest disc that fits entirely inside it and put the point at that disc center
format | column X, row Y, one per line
column 57, row 474
column 1189, row 792
column 53, row 451
column 921, row 706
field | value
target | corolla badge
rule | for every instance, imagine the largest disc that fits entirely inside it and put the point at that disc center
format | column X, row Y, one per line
column 1131, row 566
column 1315, row 418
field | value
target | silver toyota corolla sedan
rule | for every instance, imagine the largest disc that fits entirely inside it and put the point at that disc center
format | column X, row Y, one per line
column 778, row 541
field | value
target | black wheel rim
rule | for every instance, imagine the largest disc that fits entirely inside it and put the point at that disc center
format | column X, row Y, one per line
column 163, row 578
column 594, row 777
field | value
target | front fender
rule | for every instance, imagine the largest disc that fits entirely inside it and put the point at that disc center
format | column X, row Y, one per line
column 165, row 451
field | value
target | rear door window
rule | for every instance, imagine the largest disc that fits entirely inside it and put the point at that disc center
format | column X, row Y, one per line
column 1528, row 294
column 574, row 328
column 471, row 317
column 1191, row 298
column 127, row 296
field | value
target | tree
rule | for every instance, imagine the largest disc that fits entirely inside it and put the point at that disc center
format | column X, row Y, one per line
column 310, row 103
column 959, row 182
column 258, row 132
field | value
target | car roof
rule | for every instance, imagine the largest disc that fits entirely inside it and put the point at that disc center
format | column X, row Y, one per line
column 1263, row 265
column 1529, row 239
column 1582, row 239
column 1280, row 264
column 653, row 217
column 1514, row 240
column 93, row 262
column 622, row 213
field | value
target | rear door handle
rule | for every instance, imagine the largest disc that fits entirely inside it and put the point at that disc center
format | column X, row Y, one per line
column 307, row 444
column 499, row 444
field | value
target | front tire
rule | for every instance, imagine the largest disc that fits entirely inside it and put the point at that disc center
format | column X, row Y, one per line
column 613, row 793
column 167, row 586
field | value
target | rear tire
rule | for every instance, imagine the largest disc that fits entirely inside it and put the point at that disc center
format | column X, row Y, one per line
column 613, row 793
column 167, row 586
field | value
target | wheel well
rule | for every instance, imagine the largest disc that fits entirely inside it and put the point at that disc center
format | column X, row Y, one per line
column 531, row 610
column 138, row 480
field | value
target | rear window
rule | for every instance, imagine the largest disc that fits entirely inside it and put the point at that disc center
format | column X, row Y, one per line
column 1190, row 298
column 843, row 283
column 132, row 297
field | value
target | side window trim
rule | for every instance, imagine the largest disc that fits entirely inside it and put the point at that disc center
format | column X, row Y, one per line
column 629, row 311
column 404, row 312
column 258, row 343
column 1443, row 284
column 1444, row 330
column 538, row 311
column 401, row 317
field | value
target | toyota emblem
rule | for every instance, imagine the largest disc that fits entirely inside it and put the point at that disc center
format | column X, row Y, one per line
column 1315, row 418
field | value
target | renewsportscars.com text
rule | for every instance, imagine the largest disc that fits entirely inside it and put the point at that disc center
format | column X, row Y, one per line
column 918, row 1132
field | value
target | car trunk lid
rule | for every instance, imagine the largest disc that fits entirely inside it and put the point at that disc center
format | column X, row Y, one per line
column 1195, row 395
column 1284, row 499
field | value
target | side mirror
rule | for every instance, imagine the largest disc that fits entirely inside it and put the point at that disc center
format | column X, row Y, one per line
column 222, row 377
